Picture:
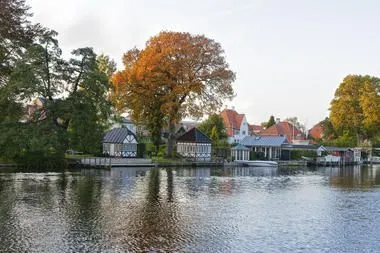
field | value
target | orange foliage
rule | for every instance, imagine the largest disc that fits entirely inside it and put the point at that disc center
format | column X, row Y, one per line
column 185, row 74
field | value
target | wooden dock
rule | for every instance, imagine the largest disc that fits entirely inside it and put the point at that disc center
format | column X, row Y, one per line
column 191, row 164
column 110, row 162
column 292, row 163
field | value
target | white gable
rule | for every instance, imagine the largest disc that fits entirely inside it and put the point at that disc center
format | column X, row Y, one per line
column 130, row 139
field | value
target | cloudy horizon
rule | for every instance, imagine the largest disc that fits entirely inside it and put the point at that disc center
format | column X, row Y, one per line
column 289, row 56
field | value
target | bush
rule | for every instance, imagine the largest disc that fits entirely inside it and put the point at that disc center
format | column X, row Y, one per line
column 141, row 150
column 41, row 161
column 298, row 154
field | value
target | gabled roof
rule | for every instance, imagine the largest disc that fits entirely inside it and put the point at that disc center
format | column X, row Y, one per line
column 317, row 131
column 284, row 128
column 194, row 135
column 264, row 141
column 232, row 120
column 117, row 135
column 255, row 128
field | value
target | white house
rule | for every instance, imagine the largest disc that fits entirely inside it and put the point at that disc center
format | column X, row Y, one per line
column 270, row 146
column 236, row 125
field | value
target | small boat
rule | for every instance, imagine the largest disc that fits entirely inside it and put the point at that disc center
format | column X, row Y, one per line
column 257, row 163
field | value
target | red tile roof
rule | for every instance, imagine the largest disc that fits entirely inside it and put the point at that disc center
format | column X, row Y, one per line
column 316, row 132
column 286, row 129
column 232, row 120
column 255, row 129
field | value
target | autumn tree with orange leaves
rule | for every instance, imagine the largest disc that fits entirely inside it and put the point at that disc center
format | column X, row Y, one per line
column 176, row 75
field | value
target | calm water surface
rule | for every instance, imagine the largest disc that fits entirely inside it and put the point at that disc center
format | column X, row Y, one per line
column 192, row 210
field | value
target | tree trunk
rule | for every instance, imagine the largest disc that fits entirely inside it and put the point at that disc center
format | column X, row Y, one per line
column 171, row 138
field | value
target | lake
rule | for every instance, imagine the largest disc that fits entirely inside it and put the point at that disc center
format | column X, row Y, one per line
column 192, row 210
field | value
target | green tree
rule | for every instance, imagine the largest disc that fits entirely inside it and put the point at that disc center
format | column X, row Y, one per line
column 106, row 65
column 37, row 73
column 328, row 134
column 75, row 95
column 214, row 136
column 88, row 105
column 16, row 34
column 354, row 110
column 213, row 121
column 187, row 72
column 370, row 104
column 270, row 122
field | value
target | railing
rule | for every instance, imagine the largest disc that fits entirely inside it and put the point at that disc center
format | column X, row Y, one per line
column 113, row 161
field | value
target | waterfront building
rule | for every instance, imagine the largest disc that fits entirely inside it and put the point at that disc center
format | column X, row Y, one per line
column 269, row 146
column 236, row 125
column 194, row 145
column 120, row 142
column 287, row 130
column 240, row 152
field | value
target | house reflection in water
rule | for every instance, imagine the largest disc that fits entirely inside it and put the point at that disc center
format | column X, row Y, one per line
column 354, row 176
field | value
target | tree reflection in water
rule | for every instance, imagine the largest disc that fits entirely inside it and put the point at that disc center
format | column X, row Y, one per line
column 155, row 224
column 353, row 176
column 197, row 210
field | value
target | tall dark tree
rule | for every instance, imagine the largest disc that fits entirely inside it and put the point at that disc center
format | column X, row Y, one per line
column 74, row 97
column 16, row 34
column 270, row 122
column 88, row 105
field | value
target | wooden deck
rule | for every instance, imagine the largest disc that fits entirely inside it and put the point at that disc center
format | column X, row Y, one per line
column 292, row 163
column 116, row 162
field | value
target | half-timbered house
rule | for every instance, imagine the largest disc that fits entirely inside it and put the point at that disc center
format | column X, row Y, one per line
column 195, row 145
column 120, row 142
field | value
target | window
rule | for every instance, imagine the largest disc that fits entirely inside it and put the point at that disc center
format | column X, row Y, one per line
column 243, row 132
column 129, row 147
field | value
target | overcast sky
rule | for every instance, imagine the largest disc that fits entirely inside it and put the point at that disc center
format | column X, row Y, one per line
column 289, row 56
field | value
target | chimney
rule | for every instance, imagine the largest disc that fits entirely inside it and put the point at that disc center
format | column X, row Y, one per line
column 277, row 120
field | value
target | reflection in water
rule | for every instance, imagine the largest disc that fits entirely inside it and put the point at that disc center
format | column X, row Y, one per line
column 191, row 210
column 170, row 185
column 228, row 172
column 354, row 176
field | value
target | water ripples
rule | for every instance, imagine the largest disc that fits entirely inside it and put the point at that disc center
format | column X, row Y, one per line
column 191, row 210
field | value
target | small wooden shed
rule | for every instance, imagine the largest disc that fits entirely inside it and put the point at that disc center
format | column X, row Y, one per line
column 194, row 144
column 120, row 142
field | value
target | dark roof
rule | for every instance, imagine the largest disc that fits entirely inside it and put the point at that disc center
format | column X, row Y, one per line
column 289, row 146
column 339, row 149
column 117, row 135
column 264, row 141
column 126, row 120
column 194, row 135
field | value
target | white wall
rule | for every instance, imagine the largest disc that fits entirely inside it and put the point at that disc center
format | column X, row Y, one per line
column 243, row 128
